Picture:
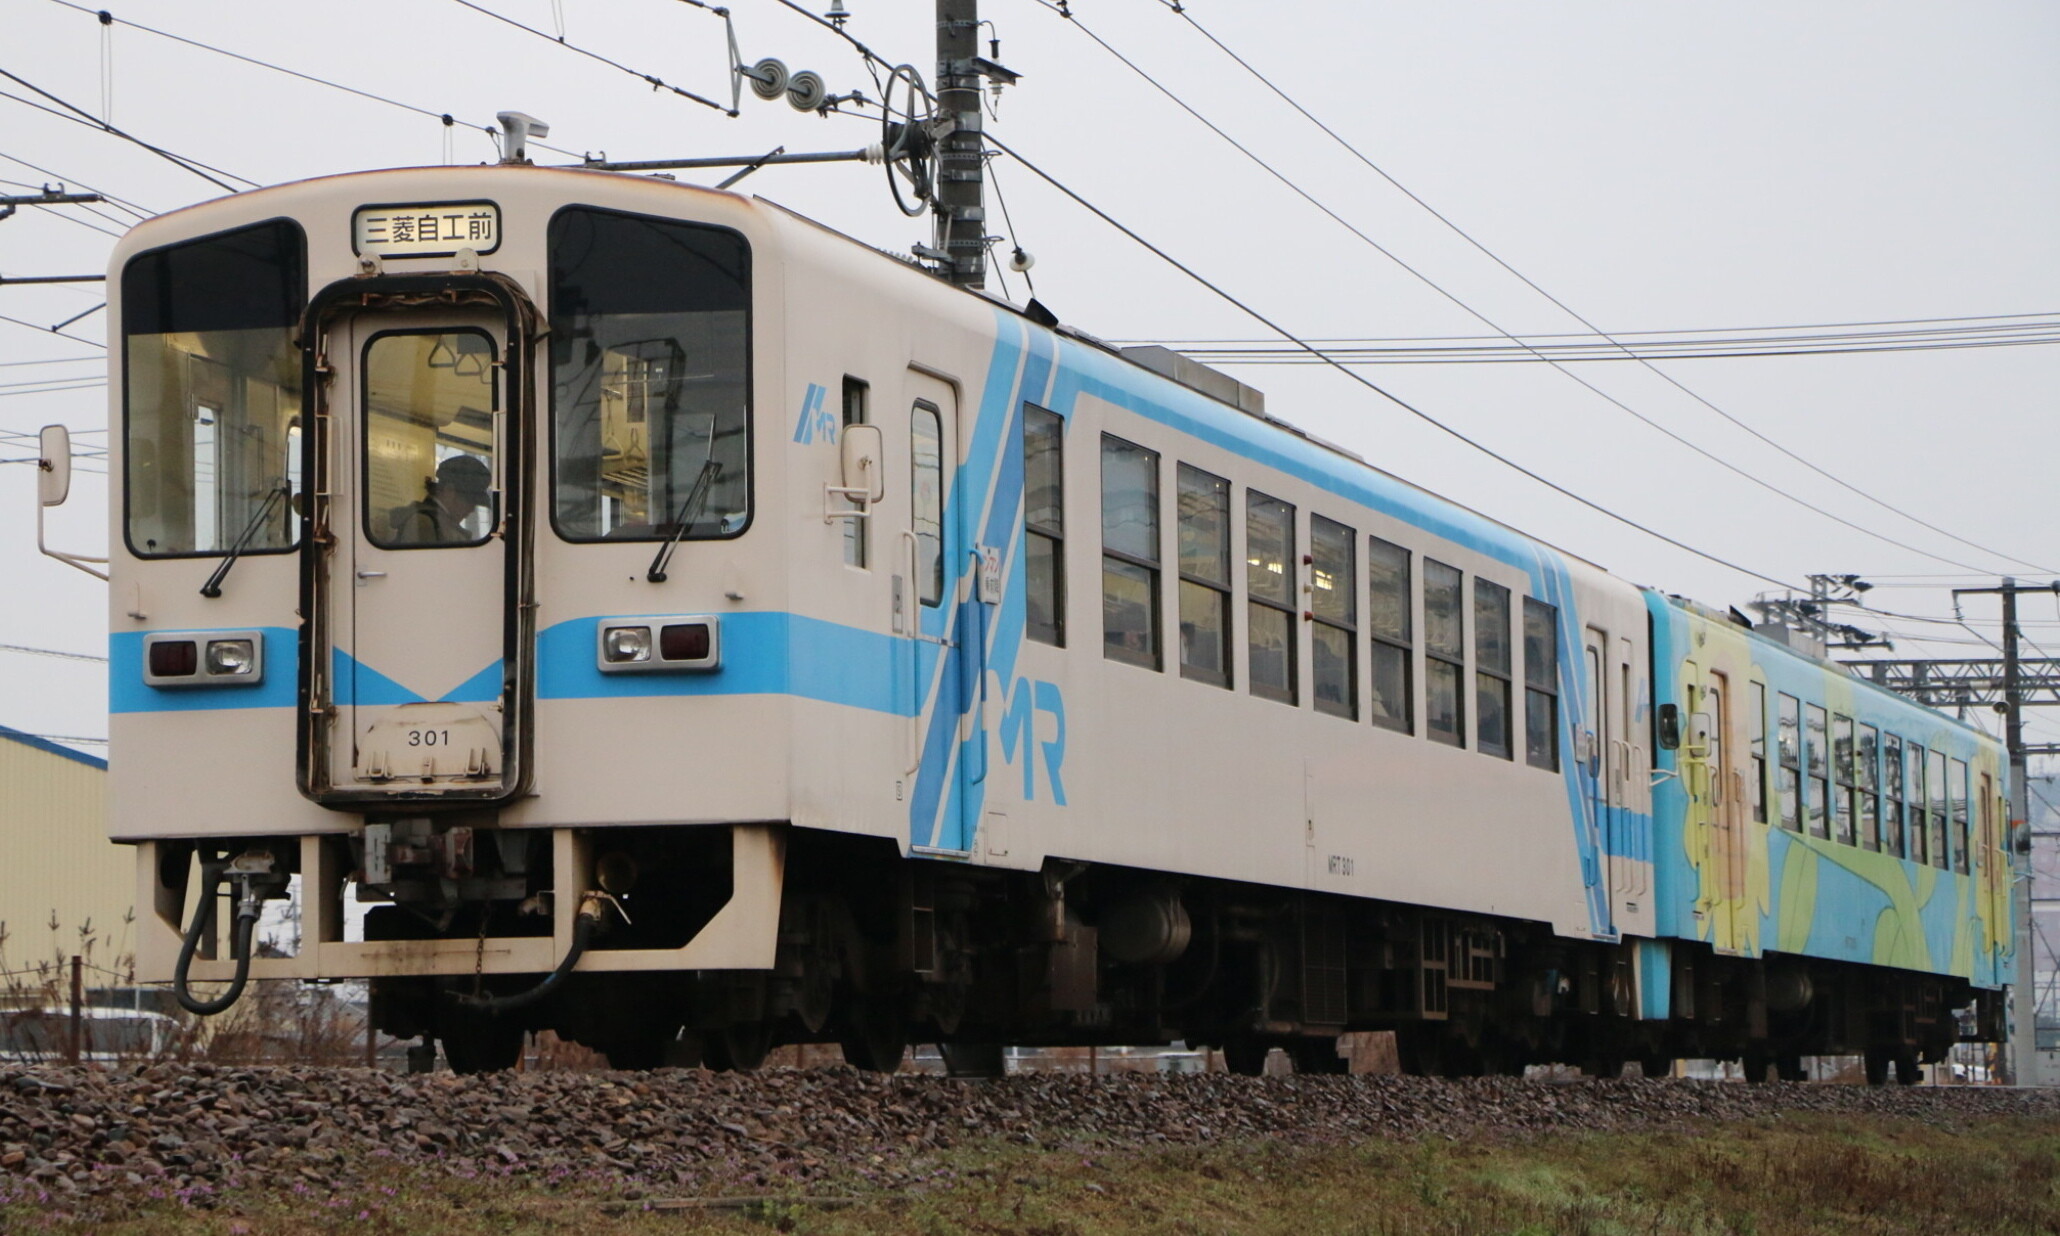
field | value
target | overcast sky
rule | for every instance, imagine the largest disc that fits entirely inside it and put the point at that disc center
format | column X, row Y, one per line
column 1654, row 167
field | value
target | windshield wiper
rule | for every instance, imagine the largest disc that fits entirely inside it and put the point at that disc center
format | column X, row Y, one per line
column 213, row 586
column 690, row 510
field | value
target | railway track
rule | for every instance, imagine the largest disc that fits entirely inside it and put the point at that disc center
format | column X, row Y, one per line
column 199, row 1131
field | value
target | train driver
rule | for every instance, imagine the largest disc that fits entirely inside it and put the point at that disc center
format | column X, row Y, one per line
column 452, row 497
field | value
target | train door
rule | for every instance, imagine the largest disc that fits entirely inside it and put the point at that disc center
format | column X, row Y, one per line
column 946, row 627
column 1598, row 770
column 1723, row 790
column 413, row 667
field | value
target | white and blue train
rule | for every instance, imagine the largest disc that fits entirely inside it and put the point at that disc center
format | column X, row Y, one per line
column 694, row 631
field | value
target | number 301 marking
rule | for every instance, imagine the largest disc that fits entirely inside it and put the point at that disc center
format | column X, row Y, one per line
column 429, row 738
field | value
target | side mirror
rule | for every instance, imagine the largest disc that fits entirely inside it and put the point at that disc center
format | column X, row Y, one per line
column 54, row 469
column 863, row 449
column 1669, row 727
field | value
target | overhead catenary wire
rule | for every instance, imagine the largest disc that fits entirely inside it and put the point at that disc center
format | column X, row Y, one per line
column 1369, row 384
column 1744, row 474
column 444, row 117
column 1177, row 8
column 52, row 330
column 1744, row 342
column 1323, row 357
column 656, row 82
column 58, row 653
column 205, row 171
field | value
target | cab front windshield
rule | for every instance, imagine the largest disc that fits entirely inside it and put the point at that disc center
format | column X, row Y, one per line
column 212, row 392
column 650, row 371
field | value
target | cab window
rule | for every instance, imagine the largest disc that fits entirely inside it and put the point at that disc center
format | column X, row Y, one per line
column 650, row 378
column 211, row 392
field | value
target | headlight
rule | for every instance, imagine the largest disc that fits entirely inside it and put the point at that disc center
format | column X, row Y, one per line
column 621, row 644
column 230, row 656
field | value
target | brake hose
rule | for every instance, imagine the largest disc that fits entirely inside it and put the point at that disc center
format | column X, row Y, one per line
column 582, row 934
column 203, row 917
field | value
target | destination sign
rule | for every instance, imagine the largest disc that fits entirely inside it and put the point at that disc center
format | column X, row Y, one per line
column 432, row 229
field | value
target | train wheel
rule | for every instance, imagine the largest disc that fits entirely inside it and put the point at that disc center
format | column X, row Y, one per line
column 972, row 1059
column 1877, row 1066
column 1245, row 1056
column 739, row 1047
column 1319, row 1055
column 642, row 1052
column 1906, row 1071
column 875, row 1037
column 482, row 1045
column 1421, row 1050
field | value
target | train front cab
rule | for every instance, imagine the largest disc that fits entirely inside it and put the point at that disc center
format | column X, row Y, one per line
column 344, row 474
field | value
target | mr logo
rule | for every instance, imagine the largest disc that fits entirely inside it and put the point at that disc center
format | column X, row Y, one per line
column 1027, row 701
column 815, row 419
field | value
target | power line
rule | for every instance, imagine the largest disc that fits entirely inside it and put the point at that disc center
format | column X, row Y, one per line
column 656, row 82
column 1397, row 400
column 444, row 117
column 52, row 652
column 1921, row 323
column 1176, row 7
column 91, row 121
column 1649, row 345
column 52, row 330
column 1427, row 281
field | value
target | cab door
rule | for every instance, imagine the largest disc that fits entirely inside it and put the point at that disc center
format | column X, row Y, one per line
column 416, row 669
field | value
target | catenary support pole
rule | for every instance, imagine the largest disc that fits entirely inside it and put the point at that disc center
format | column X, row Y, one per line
column 961, row 161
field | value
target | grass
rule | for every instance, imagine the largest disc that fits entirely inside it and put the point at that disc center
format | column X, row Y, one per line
column 1776, row 1177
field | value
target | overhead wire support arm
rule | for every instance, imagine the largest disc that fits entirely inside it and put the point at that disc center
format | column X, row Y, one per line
column 753, row 162
column 48, row 197
column 7, row 279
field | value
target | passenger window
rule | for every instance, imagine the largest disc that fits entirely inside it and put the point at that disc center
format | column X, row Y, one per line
column 1391, row 696
column 1956, row 784
column 1044, row 525
column 1918, row 832
column 1842, row 769
column 1334, row 605
column 1270, row 589
column 1445, row 642
column 1817, row 761
column 1541, row 685
column 1204, row 577
column 1130, row 553
column 1935, row 774
column 854, row 529
column 1491, row 663
column 1867, row 779
column 1892, row 795
column 1756, row 723
column 1789, row 739
column 926, row 447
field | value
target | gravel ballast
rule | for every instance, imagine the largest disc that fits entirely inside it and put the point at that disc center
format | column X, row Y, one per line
column 195, row 1132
